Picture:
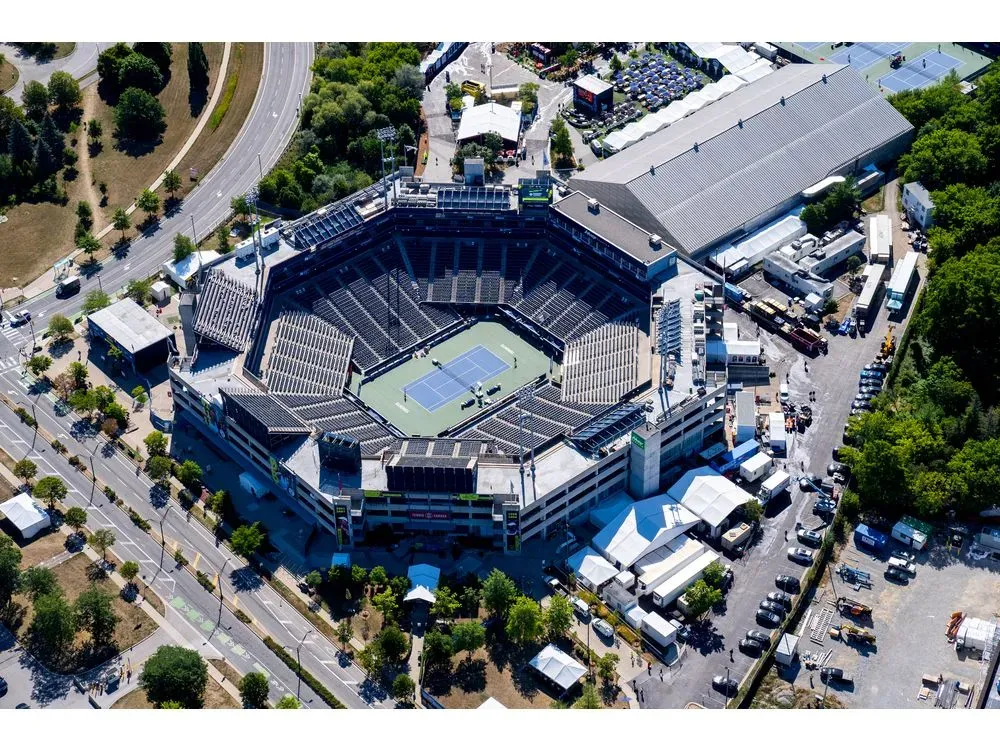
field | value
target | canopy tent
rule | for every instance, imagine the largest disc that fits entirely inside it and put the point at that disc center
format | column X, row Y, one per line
column 758, row 70
column 730, row 83
column 642, row 528
column 489, row 118
column 556, row 665
column 708, row 495
column 677, row 110
column 592, row 570
column 492, row 703
column 696, row 100
column 423, row 583
column 25, row 515
column 649, row 125
column 616, row 141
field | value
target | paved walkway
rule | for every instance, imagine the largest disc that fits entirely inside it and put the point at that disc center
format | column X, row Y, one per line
column 79, row 63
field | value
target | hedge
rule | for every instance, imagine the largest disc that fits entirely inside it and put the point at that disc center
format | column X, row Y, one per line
column 317, row 687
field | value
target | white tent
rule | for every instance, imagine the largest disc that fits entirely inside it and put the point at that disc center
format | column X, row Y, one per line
column 423, row 582
column 632, row 133
column 677, row 110
column 643, row 527
column 26, row 516
column 592, row 570
column 708, row 495
column 492, row 703
column 713, row 92
column 730, row 83
column 758, row 70
column 558, row 666
column 649, row 125
column 696, row 100
column 616, row 141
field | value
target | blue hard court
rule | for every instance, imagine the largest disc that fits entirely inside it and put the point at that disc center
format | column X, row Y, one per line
column 446, row 383
column 913, row 75
column 865, row 54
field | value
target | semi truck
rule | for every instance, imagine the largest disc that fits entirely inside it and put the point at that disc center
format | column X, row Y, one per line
column 773, row 486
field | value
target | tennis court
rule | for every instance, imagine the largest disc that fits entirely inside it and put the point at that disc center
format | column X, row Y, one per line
column 862, row 55
column 454, row 378
column 810, row 46
column 929, row 68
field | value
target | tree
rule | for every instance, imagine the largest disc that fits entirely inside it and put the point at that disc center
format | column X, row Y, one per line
column 64, row 91
column 468, row 636
column 944, row 157
column 607, row 666
column 121, row 221
column 46, row 162
column 499, row 593
column 616, row 64
column 189, row 473
column 524, row 621
column 140, row 72
column 378, row 577
column 53, row 627
column 558, row 617
column 438, row 649
column 174, row 673
column 129, row 570
column 393, row 643
column 589, row 699
column 10, row 570
column 314, row 579
column 569, row 57
column 403, row 688
column 51, row 490
column 359, row 576
column 197, row 66
column 139, row 116
column 60, row 328
column 246, row 540
column 183, row 247
column 102, row 540
column 171, row 181
column 140, row 290
column 562, row 145
column 94, row 129
column 139, row 396
column 37, row 581
column 701, row 597
column 35, row 98
column 159, row 52
column 109, row 65
column 25, row 469
column 90, row 245
column 219, row 501
column 149, row 202
column 387, row 603
column 254, row 688
column 713, row 574
column 344, row 633
column 95, row 613
column 288, row 701
column 39, row 364
column 19, row 143
column 158, row 468
column 446, row 605
column 222, row 239
column 240, row 206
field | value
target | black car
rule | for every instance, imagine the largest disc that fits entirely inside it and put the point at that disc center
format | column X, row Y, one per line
column 3, row 686
column 833, row 674
column 751, row 647
column 780, row 597
column 835, row 467
column 764, row 639
column 725, row 685
column 727, row 579
column 772, row 607
column 768, row 619
column 898, row 576
column 787, row 583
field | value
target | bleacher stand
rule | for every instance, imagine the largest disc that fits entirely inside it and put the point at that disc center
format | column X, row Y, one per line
column 226, row 311
column 601, row 366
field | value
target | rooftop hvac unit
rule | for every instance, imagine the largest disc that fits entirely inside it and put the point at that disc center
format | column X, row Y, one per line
column 655, row 241
column 593, row 205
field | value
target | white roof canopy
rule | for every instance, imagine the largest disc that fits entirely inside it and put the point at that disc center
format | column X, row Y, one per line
column 558, row 666
column 489, row 118
column 708, row 495
column 424, row 582
column 643, row 527
column 588, row 564
column 28, row 517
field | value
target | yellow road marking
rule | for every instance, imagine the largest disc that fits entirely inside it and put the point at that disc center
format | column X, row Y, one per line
column 197, row 557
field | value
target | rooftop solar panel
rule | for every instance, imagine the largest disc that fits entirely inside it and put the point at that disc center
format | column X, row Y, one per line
column 474, row 199
column 323, row 227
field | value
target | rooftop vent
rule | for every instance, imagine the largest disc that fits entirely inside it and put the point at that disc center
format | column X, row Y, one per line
column 824, row 78
column 696, row 146
column 782, row 101
column 652, row 169
column 593, row 205
column 655, row 241
column 740, row 124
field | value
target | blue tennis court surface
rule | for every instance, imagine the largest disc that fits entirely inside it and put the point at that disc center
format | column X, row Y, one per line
column 446, row 383
column 922, row 71
column 863, row 55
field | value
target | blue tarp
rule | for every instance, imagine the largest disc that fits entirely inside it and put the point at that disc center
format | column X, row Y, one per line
column 864, row 534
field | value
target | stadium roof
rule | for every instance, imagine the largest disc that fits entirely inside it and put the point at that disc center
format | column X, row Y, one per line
column 708, row 494
column 489, row 118
column 643, row 527
column 756, row 148
column 132, row 328
column 611, row 226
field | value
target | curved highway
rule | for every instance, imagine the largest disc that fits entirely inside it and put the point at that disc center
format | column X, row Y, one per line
column 266, row 132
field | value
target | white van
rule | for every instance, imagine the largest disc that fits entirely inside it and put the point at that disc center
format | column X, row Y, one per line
column 783, row 393
column 581, row 607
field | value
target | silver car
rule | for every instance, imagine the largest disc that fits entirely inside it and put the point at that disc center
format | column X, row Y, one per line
column 603, row 628
column 800, row 555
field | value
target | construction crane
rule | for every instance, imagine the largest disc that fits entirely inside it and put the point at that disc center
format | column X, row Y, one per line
column 889, row 344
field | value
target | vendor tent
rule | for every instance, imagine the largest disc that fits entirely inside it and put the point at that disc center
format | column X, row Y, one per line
column 25, row 515
column 558, row 667
column 423, row 583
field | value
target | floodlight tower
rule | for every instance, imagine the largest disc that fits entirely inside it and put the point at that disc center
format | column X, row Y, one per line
column 383, row 135
column 524, row 395
column 252, row 195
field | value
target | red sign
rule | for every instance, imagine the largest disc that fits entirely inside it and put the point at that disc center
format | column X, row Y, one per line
column 587, row 96
column 429, row 515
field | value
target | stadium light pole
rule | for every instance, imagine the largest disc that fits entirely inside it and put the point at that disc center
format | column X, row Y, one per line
column 383, row 135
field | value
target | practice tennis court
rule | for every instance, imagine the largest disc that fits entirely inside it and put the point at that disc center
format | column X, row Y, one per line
column 929, row 68
column 447, row 382
column 810, row 46
column 863, row 55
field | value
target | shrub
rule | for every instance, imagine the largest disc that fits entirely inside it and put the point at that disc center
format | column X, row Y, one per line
column 242, row 616
column 58, row 446
column 110, row 493
column 138, row 520
column 317, row 687
column 179, row 558
column 205, row 581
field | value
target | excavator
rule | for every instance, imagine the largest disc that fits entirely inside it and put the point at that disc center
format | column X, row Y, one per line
column 853, row 607
column 889, row 344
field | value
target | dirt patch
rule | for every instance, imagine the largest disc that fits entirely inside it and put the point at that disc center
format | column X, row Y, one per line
column 87, row 183
column 246, row 59
column 471, row 681
column 774, row 692
column 8, row 76
column 228, row 670
column 74, row 576
column 215, row 697
column 42, row 548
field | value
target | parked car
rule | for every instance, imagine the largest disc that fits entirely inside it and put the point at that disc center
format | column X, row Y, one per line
column 897, row 576
column 840, row 478
column 553, row 584
column 859, row 404
column 764, row 639
column 823, row 507
column 20, row 318
column 683, row 631
column 808, row 536
column 780, row 597
column 3, row 686
column 904, row 554
column 862, row 396
column 869, row 381
column 904, row 565
column 580, row 607
column 725, row 685
column 871, row 372
column 809, row 482
column 727, row 579
column 751, row 647
column 768, row 619
column 872, row 389
column 800, row 555
column 787, row 583
column 833, row 674
column 834, row 466
column 772, row 607
column 603, row 628
column 879, row 367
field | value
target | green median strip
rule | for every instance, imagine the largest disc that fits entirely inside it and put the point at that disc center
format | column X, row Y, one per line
column 317, row 687
column 227, row 94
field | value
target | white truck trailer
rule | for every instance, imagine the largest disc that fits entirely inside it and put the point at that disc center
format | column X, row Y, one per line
column 756, row 467
column 773, row 486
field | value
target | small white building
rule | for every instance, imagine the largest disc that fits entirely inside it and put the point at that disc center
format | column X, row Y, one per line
column 909, row 535
column 183, row 272
column 793, row 276
column 918, row 204
column 25, row 515
column 745, row 423
column 658, row 630
column 787, row 649
column 880, row 239
column 756, row 466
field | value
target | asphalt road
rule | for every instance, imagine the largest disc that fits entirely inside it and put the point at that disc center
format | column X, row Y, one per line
column 179, row 589
column 267, row 132
column 81, row 63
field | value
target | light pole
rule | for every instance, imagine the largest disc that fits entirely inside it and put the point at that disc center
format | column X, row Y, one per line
column 298, row 660
column 163, row 539
column 224, row 563
column 383, row 135
column 194, row 234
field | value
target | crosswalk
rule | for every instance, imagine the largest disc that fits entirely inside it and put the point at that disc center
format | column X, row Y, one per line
column 8, row 363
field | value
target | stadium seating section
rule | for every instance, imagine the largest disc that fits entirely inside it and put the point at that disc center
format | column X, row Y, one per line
column 226, row 311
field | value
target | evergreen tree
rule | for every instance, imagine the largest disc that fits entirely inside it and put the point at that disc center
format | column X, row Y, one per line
column 53, row 138
column 197, row 66
column 19, row 143
column 45, row 162
column 158, row 52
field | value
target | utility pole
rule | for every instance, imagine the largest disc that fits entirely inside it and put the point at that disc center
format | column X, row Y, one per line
column 194, row 234
column 298, row 660
column 224, row 563
column 383, row 135
column 163, row 539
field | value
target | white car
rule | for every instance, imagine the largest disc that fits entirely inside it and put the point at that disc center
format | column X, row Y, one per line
column 783, row 393
column 603, row 628
column 800, row 555
column 904, row 565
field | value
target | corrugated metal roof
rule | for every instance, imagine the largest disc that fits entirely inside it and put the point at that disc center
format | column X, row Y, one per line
column 740, row 172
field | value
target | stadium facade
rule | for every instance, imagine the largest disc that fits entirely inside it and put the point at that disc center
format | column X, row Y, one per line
column 283, row 337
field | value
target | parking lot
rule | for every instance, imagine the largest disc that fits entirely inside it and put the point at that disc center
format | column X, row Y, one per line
column 30, row 684
column 909, row 622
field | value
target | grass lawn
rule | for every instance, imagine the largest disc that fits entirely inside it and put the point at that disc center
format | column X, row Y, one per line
column 471, row 682
column 875, row 203
column 246, row 61
column 8, row 76
column 133, row 626
column 42, row 548
column 228, row 670
column 215, row 697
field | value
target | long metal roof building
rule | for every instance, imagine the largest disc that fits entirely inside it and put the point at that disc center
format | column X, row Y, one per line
column 742, row 160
